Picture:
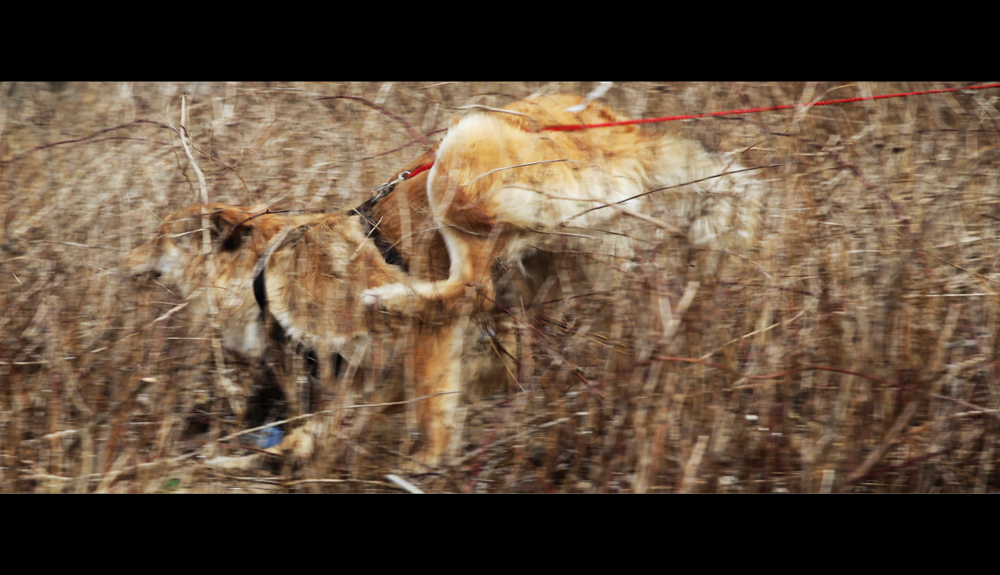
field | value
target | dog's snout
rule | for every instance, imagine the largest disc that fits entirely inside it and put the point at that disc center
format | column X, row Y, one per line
column 141, row 272
column 150, row 274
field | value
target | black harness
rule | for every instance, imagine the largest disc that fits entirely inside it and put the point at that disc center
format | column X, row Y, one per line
column 370, row 227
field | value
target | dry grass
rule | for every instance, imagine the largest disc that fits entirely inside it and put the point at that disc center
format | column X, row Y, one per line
column 872, row 294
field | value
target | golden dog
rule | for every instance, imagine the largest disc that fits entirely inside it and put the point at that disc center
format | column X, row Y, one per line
column 502, row 183
column 308, row 272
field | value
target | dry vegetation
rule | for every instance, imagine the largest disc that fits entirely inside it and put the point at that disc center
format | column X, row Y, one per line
column 869, row 302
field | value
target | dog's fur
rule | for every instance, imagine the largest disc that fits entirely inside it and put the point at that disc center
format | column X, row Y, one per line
column 502, row 184
column 312, row 269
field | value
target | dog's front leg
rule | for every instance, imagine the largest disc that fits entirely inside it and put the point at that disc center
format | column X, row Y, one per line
column 437, row 386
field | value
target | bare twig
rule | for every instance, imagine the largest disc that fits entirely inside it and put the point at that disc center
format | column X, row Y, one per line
column 725, row 173
column 415, row 134
column 206, row 243
column 84, row 139
column 490, row 109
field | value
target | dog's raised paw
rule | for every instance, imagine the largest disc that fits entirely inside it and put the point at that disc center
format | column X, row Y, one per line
column 392, row 297
column 370, row 297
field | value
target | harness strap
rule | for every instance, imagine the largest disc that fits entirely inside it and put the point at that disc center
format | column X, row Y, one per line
column 370, row 228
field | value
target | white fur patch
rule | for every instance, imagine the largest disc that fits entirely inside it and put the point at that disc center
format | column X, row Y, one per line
column 393, row 297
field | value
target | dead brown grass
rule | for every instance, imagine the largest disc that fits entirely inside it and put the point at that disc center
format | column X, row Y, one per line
column 869, row 302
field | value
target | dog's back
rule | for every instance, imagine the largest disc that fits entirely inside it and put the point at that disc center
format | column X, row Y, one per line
column 513, row 172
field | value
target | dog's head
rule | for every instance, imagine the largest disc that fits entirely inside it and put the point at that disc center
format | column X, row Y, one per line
column 176, row 256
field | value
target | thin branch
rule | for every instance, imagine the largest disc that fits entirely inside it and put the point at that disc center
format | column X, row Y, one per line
column 576, row 370
column 484, row 174
column 908, row 463
column 82, row 139
column 856, row 172
column 415, row 134
column 674, row 186
column 490, row 109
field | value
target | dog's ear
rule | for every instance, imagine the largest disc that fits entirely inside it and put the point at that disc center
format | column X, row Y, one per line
column 231, row 226
column 228, row 228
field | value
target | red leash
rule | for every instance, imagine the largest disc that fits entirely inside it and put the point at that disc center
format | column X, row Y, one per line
column 423, row 168
column 768, row 109
column 744, row 111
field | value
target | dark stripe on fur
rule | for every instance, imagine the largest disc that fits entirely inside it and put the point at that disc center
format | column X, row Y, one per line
column 260, row 291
